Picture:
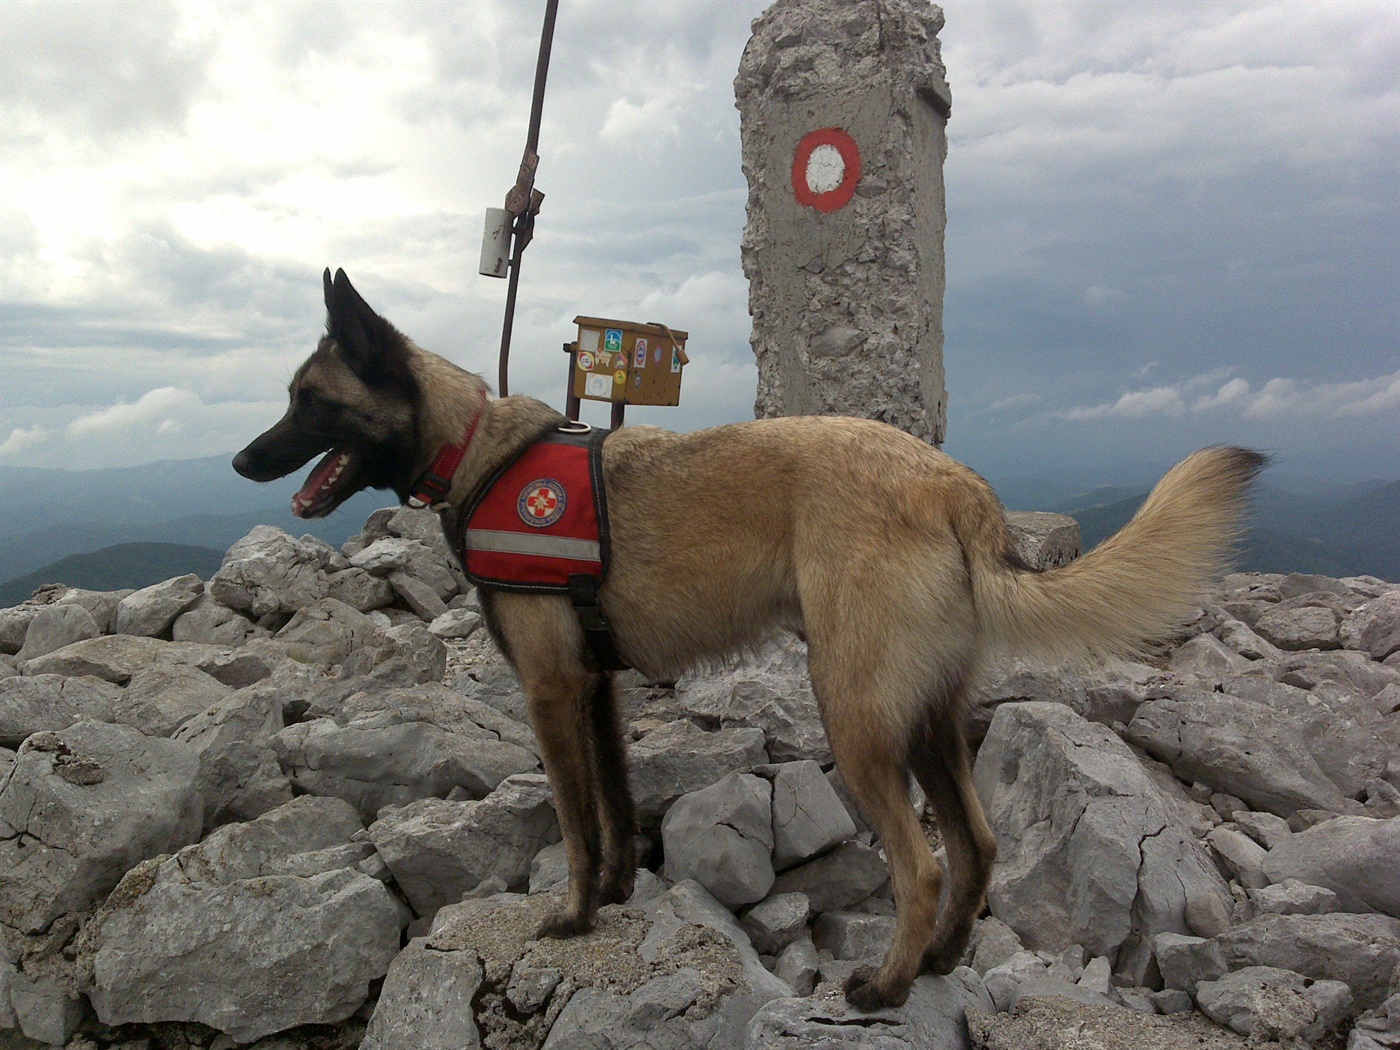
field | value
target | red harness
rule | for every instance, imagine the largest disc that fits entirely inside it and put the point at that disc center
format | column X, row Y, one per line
column 540, row 526
column 542, row 518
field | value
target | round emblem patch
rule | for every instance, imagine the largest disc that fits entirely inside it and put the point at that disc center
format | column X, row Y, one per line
column 541, row 503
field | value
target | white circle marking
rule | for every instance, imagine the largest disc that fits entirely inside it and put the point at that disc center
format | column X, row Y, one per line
column 826, row 169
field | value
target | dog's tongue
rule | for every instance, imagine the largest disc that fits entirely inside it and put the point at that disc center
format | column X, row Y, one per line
column 320, row 484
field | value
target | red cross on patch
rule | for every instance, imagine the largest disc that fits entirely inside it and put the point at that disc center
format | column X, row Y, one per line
column 541, row 503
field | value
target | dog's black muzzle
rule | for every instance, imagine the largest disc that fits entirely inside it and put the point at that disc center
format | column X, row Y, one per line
column 278, row 452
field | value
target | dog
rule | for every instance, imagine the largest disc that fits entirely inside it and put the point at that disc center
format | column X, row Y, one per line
column 889, row 558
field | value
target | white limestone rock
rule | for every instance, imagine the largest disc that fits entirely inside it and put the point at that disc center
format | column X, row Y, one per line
column 722, row 837
column 1090, row 850
column 83, row 806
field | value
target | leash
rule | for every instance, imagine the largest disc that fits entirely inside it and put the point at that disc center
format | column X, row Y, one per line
column 523, row 201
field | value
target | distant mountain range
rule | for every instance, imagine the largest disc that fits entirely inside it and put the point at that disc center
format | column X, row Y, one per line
column 140, row 525
column 1355, row 535
column 47, row 515
column 115, row 568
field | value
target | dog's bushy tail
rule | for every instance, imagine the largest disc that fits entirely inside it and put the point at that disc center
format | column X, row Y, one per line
column 1134, row 588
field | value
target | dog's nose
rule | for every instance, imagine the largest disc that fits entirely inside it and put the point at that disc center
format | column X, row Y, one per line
column 243, row 463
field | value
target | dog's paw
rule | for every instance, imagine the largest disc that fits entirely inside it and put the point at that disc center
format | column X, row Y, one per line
column 864, row 991
column 617, row 887
column 942, row 958
column 562, row 925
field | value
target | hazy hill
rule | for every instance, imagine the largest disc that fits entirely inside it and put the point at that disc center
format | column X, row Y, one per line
column 46, row 515
column 1352, row 536
column 114, row 568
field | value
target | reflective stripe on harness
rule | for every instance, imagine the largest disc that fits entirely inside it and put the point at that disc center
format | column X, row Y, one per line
column 534, row 546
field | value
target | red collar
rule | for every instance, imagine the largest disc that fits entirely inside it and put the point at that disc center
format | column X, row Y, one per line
column 432, row 488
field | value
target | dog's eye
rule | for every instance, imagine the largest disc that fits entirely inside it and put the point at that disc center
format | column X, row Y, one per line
column 310, row 399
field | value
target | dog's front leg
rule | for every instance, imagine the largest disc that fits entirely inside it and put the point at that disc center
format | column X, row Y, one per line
column 541, row 637
column 562, row 727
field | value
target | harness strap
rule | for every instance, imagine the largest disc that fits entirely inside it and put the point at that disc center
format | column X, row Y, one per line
column 597, row 632
column 432, row 488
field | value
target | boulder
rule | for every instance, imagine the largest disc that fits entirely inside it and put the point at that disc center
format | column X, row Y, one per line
column 455, row 623
column 1354, row 670
column 679, row 757
column 1291, row 897
column 1263, row 1002
column 1017, row 682
column 326, row 632
column 775, row 922
column 722, row 837
column 44, row 1011
column 83, row 806
column 1376, row 626
column 846, row 876
column 808, row 816
column 772, row 692
column 241, row 934
column 398, row 746
column 1377, row 1029
column 239, row 775
column 676, row 971
column 993, row 942
column 1357, row 858
column 1186, row 961
column 116, row 658
column 1300, row 627
column 441, row 852
column 159, row 699
column 1206, row 657
column 1043, row 540
column 211, row 622
column 931, row 1019
column 1337, row 726
column 268, row 572
column 359, row 589
column 53, row 627
column 1090, row 851
column 1238, row 747
column 151, row 610
column 427, row 1002
column 1361, row 951
column 853, row 935
column 14, row 624
column 50, row 702
column 797, row 965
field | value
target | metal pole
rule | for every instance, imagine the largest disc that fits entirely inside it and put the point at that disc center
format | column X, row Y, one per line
column 525, row 218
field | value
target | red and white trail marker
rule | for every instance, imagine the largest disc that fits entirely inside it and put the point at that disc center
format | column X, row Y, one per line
column 825, row 169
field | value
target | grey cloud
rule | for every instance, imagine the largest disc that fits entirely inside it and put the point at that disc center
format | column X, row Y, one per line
column 101, row 69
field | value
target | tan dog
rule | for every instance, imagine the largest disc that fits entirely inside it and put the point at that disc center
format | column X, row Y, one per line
column 891, row 559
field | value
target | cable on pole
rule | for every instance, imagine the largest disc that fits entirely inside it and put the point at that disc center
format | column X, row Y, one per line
column 523, row 201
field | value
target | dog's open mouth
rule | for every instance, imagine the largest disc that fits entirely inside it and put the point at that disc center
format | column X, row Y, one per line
column 328, row 485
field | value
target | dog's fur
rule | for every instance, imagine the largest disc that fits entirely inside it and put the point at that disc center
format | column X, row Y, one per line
column 891, row 559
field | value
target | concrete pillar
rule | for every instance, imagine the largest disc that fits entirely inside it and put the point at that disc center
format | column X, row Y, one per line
column 843, row 108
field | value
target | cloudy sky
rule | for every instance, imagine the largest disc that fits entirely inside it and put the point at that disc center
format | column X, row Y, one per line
column 1168, row 224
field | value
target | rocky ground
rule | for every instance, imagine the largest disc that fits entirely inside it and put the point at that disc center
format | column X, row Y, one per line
column 298, row 807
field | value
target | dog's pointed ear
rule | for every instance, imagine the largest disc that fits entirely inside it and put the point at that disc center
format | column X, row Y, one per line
column 373, row 348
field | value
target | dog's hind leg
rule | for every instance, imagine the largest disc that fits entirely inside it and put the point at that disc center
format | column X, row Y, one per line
column 938, row 756
column 865, row 727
